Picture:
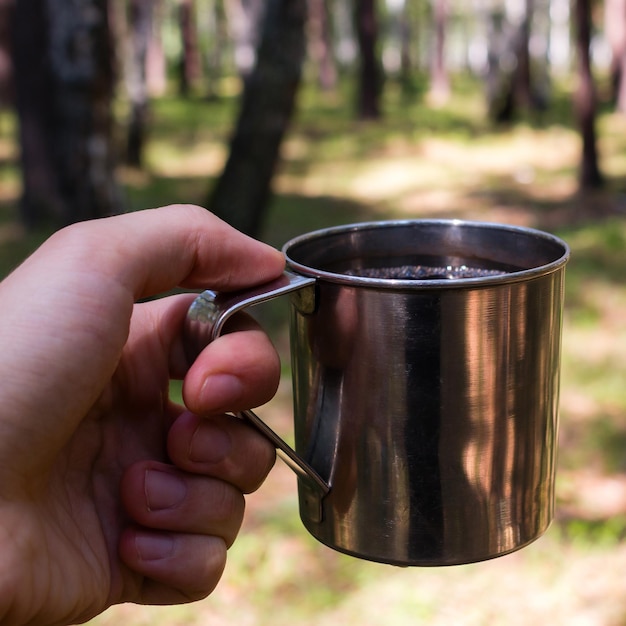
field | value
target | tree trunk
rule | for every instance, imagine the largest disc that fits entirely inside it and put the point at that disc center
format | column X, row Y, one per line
column 140, row 22
column 189, row 69
column 243, row 190
column 439, row 81
column 620, row 81
column 522, row 83
column 615, row 28
column 585, row 100
column 510, row 85
column 215, row 56
column 408, row 39
column 156, row 78
column 370, row 78
column 321, row 45
column 64, row 85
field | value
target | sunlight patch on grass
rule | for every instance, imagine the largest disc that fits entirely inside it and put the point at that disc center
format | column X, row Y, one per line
column 437, row 174
column 201, row 159
column 385, row 179
column 588, row 494
column 543, row 582
column 505, row 156
column 9, row 189
column 8, row 149
column 325, row 178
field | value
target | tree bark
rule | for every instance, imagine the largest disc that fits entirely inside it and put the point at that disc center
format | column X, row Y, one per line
column 64, row 85
column 370, row 75
column 522, row 83
column 190, row 67
column 510, row 84
column 243, row 190
column 215, row 56
column 6, row 64
column 585, row 100
column 321, row 44
column 408, row 40
column 156, row 72
column 140, row 22
column 439, row 80
column 615, row 28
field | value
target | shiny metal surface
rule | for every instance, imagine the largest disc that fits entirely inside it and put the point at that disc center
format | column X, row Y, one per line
column 428, row 407
column 205, row 322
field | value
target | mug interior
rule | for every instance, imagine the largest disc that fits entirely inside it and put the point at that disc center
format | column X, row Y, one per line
column 429, row 251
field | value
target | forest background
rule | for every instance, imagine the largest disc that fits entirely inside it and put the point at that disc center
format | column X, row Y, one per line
column 287, row 115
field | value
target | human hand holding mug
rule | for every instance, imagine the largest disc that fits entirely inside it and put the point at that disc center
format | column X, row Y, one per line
column 109, row 491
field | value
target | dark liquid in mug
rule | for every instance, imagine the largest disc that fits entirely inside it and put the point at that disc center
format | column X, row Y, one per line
column 424, row 272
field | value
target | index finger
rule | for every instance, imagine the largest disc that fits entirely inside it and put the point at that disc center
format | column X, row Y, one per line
column 155, row 250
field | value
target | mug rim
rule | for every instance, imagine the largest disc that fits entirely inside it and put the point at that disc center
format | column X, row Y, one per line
column 431, row 283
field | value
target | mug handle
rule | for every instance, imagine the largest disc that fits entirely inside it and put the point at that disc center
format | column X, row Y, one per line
column 205, row 321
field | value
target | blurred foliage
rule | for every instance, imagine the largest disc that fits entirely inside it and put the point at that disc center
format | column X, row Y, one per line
column 606, row 533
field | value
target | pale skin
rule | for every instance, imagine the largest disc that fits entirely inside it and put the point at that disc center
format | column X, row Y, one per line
column 109, row 492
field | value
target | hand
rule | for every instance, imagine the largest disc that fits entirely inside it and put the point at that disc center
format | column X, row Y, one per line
column 109, row 492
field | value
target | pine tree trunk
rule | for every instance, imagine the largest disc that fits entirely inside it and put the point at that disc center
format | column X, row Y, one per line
column 615, row 29
column 243, row 190
column 140, row 23
column 522, row 82
column 439, row 81
column 370, row 78
column 215, row 56
column 585, row 101
column 321, row 45
column 64, row 85
column 510, row 85
column 189, row 67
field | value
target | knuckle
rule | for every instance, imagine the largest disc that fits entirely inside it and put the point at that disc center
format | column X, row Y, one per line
column 227, row 502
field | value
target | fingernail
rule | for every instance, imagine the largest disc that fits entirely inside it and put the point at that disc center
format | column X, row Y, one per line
column 163, row 490
column 219, row 391
column 209, row 443
column 154, row 547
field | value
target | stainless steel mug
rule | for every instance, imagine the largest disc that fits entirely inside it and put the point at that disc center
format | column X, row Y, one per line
column 425, row 359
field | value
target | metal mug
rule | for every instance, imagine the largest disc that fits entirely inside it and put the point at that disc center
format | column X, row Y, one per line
column 425, row 361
